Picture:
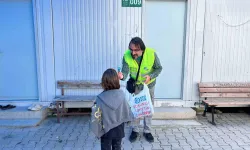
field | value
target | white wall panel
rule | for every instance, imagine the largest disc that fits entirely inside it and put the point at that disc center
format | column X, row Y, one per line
column 91, row 36
column 226, row 54
column 193, row 50
column 44, row 49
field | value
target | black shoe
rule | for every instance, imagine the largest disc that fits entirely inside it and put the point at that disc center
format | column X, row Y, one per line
column 133, row 137
column 7, row 107
column 149, row 137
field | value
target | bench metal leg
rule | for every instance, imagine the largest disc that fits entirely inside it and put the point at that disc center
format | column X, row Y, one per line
column 57, row 112
column 63, row 112
column 205, row 110
column 213, row 123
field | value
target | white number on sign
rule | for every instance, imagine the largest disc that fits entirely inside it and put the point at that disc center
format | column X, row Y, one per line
column 135, row 2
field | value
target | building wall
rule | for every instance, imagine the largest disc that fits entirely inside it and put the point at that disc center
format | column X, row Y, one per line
column 216, row 46
column 193, row 51
column 44, row 49
column 127, row 23
column 201, row 44
column 91, row 36
column 226, row 53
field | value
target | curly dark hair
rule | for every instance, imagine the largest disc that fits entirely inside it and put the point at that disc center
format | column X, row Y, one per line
column 138, row 42
column 110, row 80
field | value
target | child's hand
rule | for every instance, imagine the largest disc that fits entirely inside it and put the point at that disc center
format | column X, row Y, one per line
column 120, row 75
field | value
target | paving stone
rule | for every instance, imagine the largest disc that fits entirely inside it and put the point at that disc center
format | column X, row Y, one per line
column 226, row 147
column 157, row 147
column 166, row 147
column 97, row 146
column 183, row 143
column 220, row 143
column 79, row 146
column 40, row 145
column 206, row 147
column 165, row 143
column 68, row 148
column 49, row 147
column 88, row 148
column 73, row 138
column 127, row 147
column 137, row 145
column 190, row 140
column 186, row 147
column 246, row 147
column 195, row 146
column 175, row 145
column 232, row 132
column 241, row 143
column 145, row 143
column 202, row 142
column 38, row 148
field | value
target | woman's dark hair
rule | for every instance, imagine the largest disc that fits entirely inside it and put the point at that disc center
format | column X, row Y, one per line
column 138, row 42
column 110, row 80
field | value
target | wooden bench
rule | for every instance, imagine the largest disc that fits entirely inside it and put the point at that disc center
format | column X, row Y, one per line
column 223, row 91
column 68, row 101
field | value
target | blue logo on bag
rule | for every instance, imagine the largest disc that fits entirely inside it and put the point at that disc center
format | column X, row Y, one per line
column 140, row 99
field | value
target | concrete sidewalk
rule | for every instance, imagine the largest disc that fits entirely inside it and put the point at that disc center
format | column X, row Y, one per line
column 232, row 132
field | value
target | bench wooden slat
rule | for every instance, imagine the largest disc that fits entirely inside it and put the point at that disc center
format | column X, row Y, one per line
column 75, row 98
column 226, row 90
column 75, row 101
column 225, row 95
column 80, row 84
column 234, row 102
column 225, row 85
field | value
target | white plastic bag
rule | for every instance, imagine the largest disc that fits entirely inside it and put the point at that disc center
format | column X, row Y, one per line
column 141, row 104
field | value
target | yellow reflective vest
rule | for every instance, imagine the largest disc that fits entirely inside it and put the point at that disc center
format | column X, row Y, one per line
column 146, row 65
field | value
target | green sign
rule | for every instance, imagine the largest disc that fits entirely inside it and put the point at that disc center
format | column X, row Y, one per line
column 131, row 3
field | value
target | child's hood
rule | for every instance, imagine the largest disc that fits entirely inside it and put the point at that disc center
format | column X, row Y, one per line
column 112, row 98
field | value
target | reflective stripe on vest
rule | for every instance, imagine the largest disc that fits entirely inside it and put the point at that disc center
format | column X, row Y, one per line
column 146, row 65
